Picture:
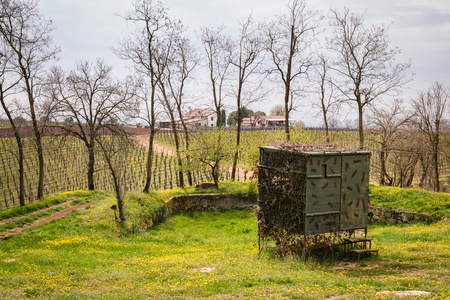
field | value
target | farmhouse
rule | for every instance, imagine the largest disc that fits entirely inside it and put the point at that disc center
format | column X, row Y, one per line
column 265, row 121
column 200, row 117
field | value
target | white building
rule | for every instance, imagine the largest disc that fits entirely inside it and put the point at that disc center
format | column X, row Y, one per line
column 200, row 117
column 265, row 121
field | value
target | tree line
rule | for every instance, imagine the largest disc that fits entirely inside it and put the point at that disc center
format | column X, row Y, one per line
column 355, row 65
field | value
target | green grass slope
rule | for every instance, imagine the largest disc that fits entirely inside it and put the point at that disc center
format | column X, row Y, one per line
column 208, row 255
column 433, row 203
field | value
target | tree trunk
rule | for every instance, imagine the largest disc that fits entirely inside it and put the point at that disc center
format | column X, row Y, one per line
column 436, row 166
column 177, row 147
column 116, row 180
column 150, row 143
column 118, row 191
column 288, row 87
column 37, row 134
column 360, row 127
column 40, row 150
column 186, row 140
column 286, row 116
column 91, row 165
column 412, row 172
column 152, row 121
column 327, row 131
column 149, row 165
column 382, row 167
column 238, row 132
column 190, row 181
column 19, row 143
column 384, row 153
column 238, row 141
column 21, row 170
column 215, row 175
column 424, row 165
column 40, row 153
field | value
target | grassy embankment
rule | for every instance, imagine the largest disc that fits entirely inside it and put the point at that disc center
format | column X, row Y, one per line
column 192, row 255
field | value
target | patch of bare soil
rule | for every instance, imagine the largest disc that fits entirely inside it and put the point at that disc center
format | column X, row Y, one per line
column 54, row 216
column 162, row 149
column 143, row 141
column 355, row 265
column 5, row 221
column 243, row 173
column 401, row 294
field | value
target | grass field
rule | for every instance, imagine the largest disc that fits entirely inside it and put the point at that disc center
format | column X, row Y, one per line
column 209, row 255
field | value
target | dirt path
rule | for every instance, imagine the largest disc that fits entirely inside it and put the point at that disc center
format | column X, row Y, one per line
column 2, row 222
column 158, row 148
column 54, row 216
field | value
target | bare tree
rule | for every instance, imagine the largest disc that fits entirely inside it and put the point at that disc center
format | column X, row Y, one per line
column 387, row 121
column 8, row 84
column 217, row 45
column 429, row 110
column 115, row 147
column 211, row 148
column 247, row 60
column 168, row 59
column 366, row 66
column 277, row 110
column 142, row 48
column 289, row 37
column 328, row 103
column 26, row 34
column 406, row 151
column 446, row 139
column 183, row 63
column 94, row 100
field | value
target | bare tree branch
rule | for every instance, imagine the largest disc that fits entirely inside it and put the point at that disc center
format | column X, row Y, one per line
column 365, row 64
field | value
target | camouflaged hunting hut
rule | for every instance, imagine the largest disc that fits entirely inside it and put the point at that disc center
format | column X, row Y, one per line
column 314, row 189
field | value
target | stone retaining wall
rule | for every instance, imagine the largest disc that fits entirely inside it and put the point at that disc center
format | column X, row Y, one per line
column 396, row 216
column 208, row 202
column 225, row 202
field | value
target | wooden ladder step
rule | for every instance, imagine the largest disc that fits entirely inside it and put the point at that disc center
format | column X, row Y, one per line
column 357, row 240
column 359, row 251
column 349, row 243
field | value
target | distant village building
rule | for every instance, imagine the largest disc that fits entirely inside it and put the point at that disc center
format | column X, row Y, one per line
column 265, row 121
column 197, row 118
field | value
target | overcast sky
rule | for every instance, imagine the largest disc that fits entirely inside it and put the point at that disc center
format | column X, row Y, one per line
column 88, row 29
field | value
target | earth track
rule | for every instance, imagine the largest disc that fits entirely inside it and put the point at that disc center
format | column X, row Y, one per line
column 168, row 150
column 47, row 219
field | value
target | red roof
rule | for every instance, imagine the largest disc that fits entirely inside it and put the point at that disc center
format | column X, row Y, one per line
column 199, row 113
